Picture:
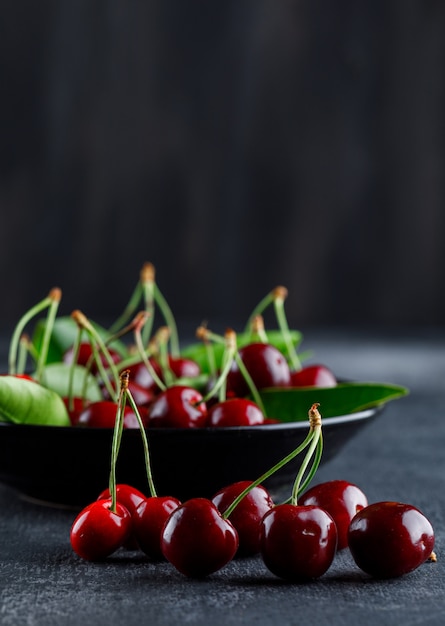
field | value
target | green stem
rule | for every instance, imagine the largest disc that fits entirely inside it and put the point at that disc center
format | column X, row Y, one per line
column 128, row 311
column 312, row 472
column 143, row 355
column 18, row 331
column 285, row 332
column 259, row 309
column 148, row 295
column 305, row 464
column 76, row 350
column 133, row 405
column 169, row 320
column 252, row 387
column 117, row 434
column 55, row 296
column 228, row 356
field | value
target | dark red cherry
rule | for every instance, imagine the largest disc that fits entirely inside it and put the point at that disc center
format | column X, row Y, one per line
column 389, row 539
column 266, row 365
column 341, row 499
column 235, row 412
column 86, row 352
column 180, row 367
column 130, row 498
column 102, row 414
column 247, row 515
column 97, row 531
column 148, row 521
column 313, row 376
column 298, row 542
column 178, row 407
column 197, row 540
column 78, row 405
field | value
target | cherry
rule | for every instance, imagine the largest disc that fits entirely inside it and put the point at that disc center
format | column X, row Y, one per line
column 178, row 406
column 78, row 405
column 130, row 498
column 197, row 540
column 235, row 412
column 313, row 376
column 247, row 515
column 389, row 539
column 149, row 518
column 98, row 531
column 143, row 396
column 298, row 542
column 180, row 367
column 266, row 366
column 341, row 499
column 102, row 414
column 86, row 353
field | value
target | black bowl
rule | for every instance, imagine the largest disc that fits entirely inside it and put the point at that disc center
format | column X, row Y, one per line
column 70, row 466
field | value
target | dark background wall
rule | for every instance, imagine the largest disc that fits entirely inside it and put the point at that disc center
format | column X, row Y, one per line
column 237, row 145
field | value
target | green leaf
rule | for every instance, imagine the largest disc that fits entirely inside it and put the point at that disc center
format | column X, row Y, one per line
column 56, row 376
column 198, row 352
column 293, row 404
column 64, row 335
column 27, row 402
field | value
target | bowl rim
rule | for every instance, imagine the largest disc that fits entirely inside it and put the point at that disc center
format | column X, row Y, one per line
column 297, row 425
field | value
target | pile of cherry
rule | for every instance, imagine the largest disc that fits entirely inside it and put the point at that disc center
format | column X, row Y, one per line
column 297, row 539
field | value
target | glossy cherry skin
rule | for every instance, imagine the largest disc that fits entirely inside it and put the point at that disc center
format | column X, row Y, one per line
column 86, row 352
column 235, row 412
column 197, row 540
column 266, row 365
column 180, row 367
column 97, row 531
column 102, row 414
column 130, row 498
column 298, row 543
column 247, row 515
column 389, row 539
column 341, row 499
column 178, row 407
column 148, row 521
column 313, row 376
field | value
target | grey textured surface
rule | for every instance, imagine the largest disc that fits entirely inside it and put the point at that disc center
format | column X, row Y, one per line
column 399, row 456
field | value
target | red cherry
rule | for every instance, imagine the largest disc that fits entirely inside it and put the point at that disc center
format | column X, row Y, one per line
column 102, row 414
column 341, row 499
column 178, row 407
column 313, row 376
column 235, row 412
column 247, row 515
column 181, row 368
column 266, row 365
column 141, row 395
column 148, row 521
column 85, row 353
column 97, row 531
column 197, row 540
column 298, row 542
column 389, row 539
column 130, row 498
column 79, row 405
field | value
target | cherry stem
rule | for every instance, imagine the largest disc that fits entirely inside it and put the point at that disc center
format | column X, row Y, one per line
column 312, row 434
column 141, row 319
column 76, row 350
column 257, row 329
column 25, row 348
column 228, row 357
column 147, row 280
column 259, row 309
column 55, row 297
column 162, row 337
column 279, row 295
column 134, row 406
column 98, row 346
column 249, row 381
column 315, row 421
column 169, row 320
column 117, row 435
column 128, row 311
column 18, row 330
